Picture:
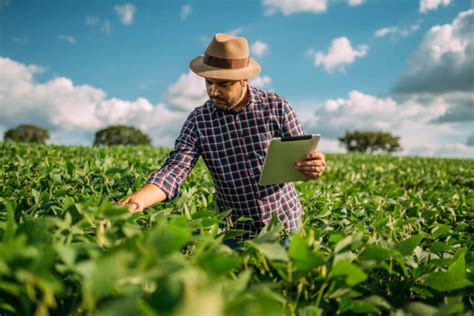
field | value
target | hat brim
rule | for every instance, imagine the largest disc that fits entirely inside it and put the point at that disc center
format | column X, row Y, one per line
column 201, row 69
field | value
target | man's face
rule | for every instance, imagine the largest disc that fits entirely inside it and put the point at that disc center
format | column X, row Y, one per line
column 226, row 94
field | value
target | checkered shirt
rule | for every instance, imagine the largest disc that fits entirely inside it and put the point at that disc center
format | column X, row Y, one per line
column 233, row 145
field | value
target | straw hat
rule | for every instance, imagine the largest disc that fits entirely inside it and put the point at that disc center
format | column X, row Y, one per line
column 226, row 57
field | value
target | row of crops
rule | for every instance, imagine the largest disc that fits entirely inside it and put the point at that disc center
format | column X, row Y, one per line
column 381, row 235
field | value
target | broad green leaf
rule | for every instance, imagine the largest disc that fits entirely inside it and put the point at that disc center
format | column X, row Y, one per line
column 304, row 258
column 453, row 279
column 66, row 253
column 11, row 226
column 273, row 251
column 310, row 311
column 470, row 200
column 440, row 230
column 375, row 253
column 378, row 301
column 343, row 244
column 218, row 264
column 438, row 246
column 170, row 239
column 406, row 247
column 418, row 308
column 357, row 306
column 353, row 273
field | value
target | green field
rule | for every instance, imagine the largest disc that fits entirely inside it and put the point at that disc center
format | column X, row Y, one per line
column 382, row 235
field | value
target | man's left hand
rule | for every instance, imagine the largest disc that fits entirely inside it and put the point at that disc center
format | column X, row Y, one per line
column 313, row 166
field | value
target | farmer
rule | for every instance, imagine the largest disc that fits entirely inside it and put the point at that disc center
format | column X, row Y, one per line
column 231, row 132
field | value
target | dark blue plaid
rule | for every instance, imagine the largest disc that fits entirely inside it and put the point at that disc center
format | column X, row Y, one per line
column 233, row 146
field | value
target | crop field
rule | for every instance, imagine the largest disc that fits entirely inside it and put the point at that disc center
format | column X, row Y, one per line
column 382, row 235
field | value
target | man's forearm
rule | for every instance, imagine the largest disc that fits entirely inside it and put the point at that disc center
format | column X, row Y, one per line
column 151, row 194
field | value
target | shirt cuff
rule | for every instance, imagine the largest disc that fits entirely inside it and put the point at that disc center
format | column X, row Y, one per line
column 165, row 185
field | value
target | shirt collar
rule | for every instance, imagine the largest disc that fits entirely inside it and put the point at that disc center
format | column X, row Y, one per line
column 250, row 104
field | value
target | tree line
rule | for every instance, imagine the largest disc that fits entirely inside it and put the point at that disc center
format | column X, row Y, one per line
column 353, row 141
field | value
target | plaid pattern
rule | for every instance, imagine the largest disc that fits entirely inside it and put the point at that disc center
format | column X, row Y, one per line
column 233, row 146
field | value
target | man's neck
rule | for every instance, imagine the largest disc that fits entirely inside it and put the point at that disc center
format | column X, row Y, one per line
column 243, row 102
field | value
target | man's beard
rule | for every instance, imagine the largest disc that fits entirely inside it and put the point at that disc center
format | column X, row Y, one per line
column 227, row 106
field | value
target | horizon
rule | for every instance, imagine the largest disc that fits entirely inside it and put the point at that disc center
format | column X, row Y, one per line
column 403, row 67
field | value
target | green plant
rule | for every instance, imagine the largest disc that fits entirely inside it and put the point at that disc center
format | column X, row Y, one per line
column 370, row 141
column 27, row 134
column 380, row 235
column 121, row 135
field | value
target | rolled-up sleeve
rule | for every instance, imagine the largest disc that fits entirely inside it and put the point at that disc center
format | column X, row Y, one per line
column 290, row 124
column 180, row 161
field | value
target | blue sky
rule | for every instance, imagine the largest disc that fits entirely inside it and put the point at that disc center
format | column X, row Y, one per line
column 76, row 66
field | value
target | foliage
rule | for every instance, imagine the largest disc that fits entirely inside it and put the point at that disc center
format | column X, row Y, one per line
column 121, row 135
column 370, row 141
column 26, row 134
column 381, row 235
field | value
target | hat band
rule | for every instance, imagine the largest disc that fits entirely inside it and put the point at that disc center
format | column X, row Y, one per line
column 226, row 63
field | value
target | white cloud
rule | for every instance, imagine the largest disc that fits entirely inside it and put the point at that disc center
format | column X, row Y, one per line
column 428, row 5
column 470, row 140
column 385, row 31
column 339, row 55
column 187, row 93
column 68, row 38
column 259, row 48
column 443, row 66
column 107, row 27
column 354, row 3
column 186, row 11
column 447, row 151
column 237, row 31
column 261, row 82
column 74, row 113
column 410, row 119
column 397, row 31
column 20, row 40
column 288, row 7
column 411, row 29
column 92, row 20
column 126, row 13
column 330, row 146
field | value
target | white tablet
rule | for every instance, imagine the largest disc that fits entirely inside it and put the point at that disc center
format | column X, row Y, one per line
column 283, row 152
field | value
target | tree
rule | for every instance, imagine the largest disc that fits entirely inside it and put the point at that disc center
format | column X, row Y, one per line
column 371, row 141
column 26, row 134
column 121, row 135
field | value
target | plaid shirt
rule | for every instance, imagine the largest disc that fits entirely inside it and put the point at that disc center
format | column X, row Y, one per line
column 233, row 145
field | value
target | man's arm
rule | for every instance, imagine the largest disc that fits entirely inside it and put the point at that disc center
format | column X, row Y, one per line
column 163, row 185
column 314, row 164
column 147, row 196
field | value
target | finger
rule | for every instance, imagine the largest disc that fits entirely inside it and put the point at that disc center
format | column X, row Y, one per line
column 312, row 163
column 314, row 154
column 310, row 169
column 317, row 157
column 134, row 207
column 312, row 175
column 311, row 154
column 121, row 203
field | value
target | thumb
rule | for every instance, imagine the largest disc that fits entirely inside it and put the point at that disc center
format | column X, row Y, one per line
column 133, row 206
column 122, row 202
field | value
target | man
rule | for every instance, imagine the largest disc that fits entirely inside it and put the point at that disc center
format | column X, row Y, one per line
column 231, row 132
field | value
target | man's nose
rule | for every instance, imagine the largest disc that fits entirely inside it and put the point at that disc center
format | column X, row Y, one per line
column 213, row 91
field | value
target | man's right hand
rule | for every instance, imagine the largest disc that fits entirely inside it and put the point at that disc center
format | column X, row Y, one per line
column 147, row 196
column 133, row 203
